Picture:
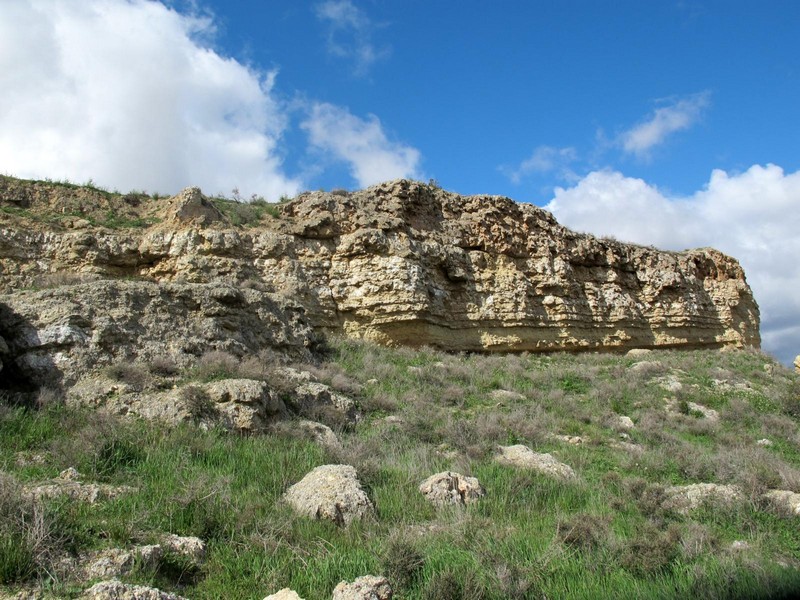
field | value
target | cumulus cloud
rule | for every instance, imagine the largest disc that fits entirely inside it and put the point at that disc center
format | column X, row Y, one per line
column 752, row 216
column 125, row 93
column 361, row 143
column 350, row 34
column 678, row 115
column 544, row 159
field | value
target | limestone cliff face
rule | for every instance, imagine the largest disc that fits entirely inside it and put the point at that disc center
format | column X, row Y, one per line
column 408, row 263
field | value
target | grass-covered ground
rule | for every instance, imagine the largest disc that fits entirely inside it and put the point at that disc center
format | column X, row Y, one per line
column 604, row 535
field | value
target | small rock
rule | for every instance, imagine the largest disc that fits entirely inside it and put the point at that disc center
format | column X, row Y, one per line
column 70, row 474
column 739, row 545
column 523, row 457
column 393, row 420
column 570, row 439
column 506, row 396
column 368, row 587
column 764, row 443
column 321, row 434
column 685, row 498
column 284, row 594
column 784, row 500
column 191, row 547
column 116, row 590
column 625, row 422
column 644, row 366
column 670, row 383
column 634, row 352
column 448, row 488
column 331, row 492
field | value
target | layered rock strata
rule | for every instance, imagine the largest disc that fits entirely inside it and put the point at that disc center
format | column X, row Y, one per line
column 405, row 263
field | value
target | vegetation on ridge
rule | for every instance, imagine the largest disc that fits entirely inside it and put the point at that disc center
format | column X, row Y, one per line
column 606, row 534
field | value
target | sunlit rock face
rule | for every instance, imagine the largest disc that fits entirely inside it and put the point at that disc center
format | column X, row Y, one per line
column 408, row 263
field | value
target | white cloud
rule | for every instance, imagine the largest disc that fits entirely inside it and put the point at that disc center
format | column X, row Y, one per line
column 124, row 93
column 350, row 34
column 753, row 216
column 544, row 159
column 362, row 143
column 680, row 114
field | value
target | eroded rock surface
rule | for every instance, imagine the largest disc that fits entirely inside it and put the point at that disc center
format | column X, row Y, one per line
column 401, row 262
column 57, row 335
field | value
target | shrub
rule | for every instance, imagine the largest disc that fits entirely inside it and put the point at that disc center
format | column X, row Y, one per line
column 583, row 532
column 163, row 366
column 402, row 563
column 216, row 365
column 28, row 542
column 135, row 375
column 198, row 403
column 652, row 552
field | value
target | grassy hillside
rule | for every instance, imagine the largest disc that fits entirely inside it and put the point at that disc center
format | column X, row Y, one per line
column 606, row 534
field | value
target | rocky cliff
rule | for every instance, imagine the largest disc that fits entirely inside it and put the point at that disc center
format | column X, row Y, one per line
column 399, row 263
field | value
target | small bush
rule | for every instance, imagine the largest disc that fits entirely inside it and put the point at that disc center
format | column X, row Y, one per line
column 198, row 403
column 583, row 532
column 402, row 563
column 652, row 552
column 135, row 375
column 48, row 397
column 216, row 365
column 164, row 366
column 28, row 542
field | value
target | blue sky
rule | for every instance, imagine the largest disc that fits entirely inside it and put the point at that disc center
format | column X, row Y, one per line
column 478, row 90
column 672, row 123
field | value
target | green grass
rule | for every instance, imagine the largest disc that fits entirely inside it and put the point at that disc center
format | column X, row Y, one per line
column 605, row 534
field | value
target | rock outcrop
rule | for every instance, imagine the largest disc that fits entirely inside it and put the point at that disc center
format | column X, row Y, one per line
column 399, row 263
column 56, row 335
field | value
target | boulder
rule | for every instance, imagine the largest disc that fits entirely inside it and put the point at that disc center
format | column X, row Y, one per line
column 368, row 587
column 331, row 492
column 449, row 488
column 523, row 457
column 797, row 363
